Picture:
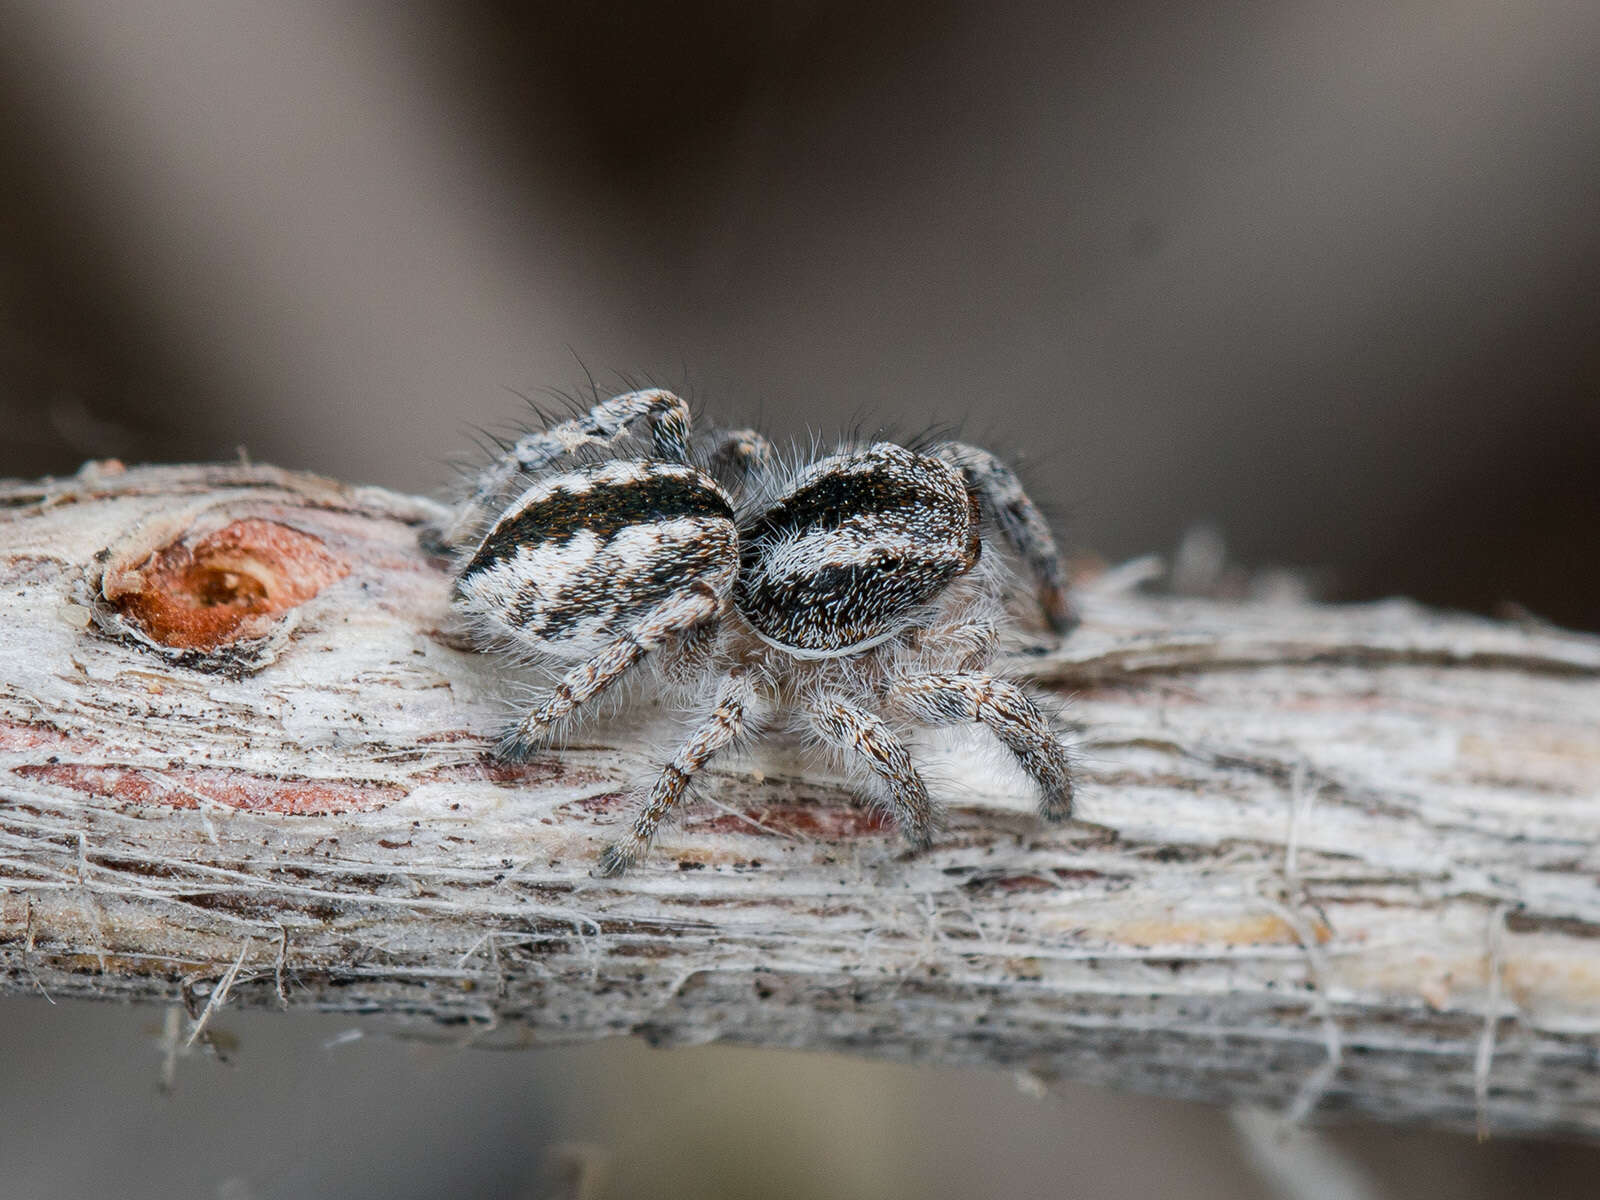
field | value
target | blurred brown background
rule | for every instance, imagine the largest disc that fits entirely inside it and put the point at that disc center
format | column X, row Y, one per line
column 1322, row 275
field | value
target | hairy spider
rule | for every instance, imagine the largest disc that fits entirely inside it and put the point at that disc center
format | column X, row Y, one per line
column 847, row 597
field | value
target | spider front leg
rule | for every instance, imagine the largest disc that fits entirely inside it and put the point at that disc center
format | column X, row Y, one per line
column 737, row 454
column 666, row 415
column 957, row 698
column 860, row 736
column 1020, row 523
column 726, row 724
column 676, row 617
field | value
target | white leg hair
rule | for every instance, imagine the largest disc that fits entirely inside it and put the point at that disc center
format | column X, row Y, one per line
column 726, row 724
column 960, row 697
column 864, row 738
column 672, row 618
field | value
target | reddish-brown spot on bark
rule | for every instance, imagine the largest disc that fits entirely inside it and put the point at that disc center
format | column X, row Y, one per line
column 224, row 586
column 605, row 802
column 233, row 789
column 488, row 771
column 22, row 735
column 1023, row 883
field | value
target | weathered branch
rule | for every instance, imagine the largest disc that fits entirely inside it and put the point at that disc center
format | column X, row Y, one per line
column 1331, row 859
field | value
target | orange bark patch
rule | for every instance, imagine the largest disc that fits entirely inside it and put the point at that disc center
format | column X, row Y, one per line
column 233, row 789
column 225, row 586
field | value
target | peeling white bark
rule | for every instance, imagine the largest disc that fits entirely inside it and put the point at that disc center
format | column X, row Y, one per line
column 1328, row 859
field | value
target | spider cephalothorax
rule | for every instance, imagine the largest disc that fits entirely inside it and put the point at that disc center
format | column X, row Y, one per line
column 843, row 597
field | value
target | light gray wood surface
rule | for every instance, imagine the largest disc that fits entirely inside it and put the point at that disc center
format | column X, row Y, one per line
column 1332, row 860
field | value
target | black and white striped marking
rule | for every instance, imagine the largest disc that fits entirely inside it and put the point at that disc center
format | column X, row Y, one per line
column 835, row 565
column 581, row 556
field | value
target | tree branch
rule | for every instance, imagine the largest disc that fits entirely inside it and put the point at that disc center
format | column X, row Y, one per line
column 1328, row 859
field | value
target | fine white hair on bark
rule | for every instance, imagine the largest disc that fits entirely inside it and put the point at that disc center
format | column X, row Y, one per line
column 1324, row 860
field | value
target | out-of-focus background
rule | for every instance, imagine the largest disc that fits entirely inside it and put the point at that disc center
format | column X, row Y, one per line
column 1325, row 277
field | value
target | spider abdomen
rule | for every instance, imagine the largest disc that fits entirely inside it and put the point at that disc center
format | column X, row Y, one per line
column 838, row 562
column 580, row 557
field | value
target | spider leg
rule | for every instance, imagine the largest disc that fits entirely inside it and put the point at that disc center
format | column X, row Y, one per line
column 666, row 415
column 962, row 644
column 727, row 722
column 959, row 697
column 858, row 733
column 1021, row 525
column 670, row 619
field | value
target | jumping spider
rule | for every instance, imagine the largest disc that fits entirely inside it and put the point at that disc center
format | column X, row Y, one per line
column 834, row 596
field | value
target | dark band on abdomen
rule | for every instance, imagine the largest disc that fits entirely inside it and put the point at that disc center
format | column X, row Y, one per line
column 602, row 508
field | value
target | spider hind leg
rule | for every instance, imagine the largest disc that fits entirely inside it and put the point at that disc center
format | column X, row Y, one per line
column 1020, row 523
column 959, row 697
